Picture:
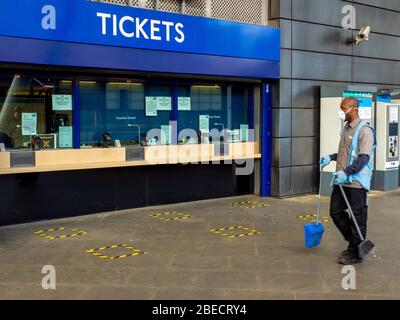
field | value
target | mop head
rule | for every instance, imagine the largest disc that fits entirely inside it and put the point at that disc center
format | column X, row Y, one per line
column 313, row 234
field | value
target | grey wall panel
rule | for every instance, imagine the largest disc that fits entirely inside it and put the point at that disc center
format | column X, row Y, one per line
column 386, row 4
column 305, row 151
column 319, row 56
column 305, row 94
column 376, row 71
column 319, row 66
column 319, row 11
column 285, row 94
column 312, row 37
column 281, row 126
column 281, row 148
column 381, row 86
column 304, row 179
column 381, row 21
column 286, row 63
column 379, row 46
column 280, row 9
column 286, row 33
column 281, row 182
column 282, row 94
column 305, row 123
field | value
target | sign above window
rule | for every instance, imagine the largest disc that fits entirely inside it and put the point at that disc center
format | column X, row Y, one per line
column 80, row 21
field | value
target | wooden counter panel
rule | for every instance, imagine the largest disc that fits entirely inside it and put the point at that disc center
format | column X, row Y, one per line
column 4, row 160
column 78, row 159
column 79, row 156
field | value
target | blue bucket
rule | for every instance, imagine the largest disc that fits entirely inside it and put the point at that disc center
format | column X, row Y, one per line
column 313, row 234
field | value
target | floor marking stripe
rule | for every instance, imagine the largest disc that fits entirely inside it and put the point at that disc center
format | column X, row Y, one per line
column 220, row 231
column 43, row 233
column 180, row 216
column 136, row 252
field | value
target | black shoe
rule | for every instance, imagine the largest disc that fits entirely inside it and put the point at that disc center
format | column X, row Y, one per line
column 350, row 260
column 345, row 254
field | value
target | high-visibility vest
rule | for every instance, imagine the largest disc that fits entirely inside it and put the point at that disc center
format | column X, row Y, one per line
column 364, row 177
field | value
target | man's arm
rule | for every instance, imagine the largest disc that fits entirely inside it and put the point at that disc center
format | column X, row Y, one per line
column 357, row 164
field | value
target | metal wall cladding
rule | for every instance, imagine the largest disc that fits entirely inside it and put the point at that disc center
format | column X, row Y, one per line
column 305, row 122
column 305, row 151
column 386, row 4
column 281, row 152
column 286, row 33
column 306, row 94
column 376, row 71
column 380, row 46
column 328, row 12
column 319, row 38
column 280, row 9
column 304, row 179
column 286, row 63
column 281, row 184
column 381, row 21
column 319, row 66
column 290, row 181
column 282, row 94
column 281, row 127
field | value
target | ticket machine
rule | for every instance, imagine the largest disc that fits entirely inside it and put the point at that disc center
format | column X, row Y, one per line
column 386, row 175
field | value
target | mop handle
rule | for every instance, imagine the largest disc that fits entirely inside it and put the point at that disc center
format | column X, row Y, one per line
column 321, row 169
column 351, row 212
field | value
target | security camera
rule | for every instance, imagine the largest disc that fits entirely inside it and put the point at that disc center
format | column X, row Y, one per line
column 363, row 35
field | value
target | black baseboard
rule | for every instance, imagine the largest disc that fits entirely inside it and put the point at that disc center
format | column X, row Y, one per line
column 41, row 196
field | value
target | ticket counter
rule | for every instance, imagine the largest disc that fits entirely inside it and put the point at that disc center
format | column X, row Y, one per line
column 98, row 121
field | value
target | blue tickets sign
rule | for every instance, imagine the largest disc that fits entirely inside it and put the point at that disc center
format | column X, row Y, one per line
column 80, row 21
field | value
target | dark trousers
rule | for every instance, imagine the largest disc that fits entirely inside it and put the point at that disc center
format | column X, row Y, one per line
column 342, row 220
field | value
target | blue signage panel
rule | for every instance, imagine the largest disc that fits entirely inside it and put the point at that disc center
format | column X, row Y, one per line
column 86, row 22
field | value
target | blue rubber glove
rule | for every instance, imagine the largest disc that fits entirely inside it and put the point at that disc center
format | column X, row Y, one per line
column 325, row 161
column 340, row 177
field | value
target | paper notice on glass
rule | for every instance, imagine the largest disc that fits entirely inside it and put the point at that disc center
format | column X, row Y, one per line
column 65, row 137
column 184, row 103
column 62, row 102
column 166, row 134
column 244, row 132
column 204, row 123
column 365, row 113
column 393, row 114
column 151, row 106
column 29, row 123
column 164, row 103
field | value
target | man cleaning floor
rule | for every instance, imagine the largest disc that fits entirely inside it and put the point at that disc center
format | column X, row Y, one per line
column 353, row 171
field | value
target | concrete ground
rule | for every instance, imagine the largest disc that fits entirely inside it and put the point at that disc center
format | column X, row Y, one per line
column 184, row 260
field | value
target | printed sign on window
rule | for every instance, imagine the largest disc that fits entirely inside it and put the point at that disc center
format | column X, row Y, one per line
column 62, row 102
column 29, row 123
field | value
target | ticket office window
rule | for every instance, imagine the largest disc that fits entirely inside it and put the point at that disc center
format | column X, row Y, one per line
column 126, row 111
column 211, row 109
column 35, row 113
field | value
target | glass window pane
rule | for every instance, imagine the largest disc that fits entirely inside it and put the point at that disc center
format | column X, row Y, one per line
column 35, row 113
column 125, row 110
column 224, row 108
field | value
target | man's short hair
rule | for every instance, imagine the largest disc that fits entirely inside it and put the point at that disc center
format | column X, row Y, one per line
column 354, row 101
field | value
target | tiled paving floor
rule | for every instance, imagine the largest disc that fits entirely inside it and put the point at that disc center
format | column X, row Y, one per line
column 184, row 260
